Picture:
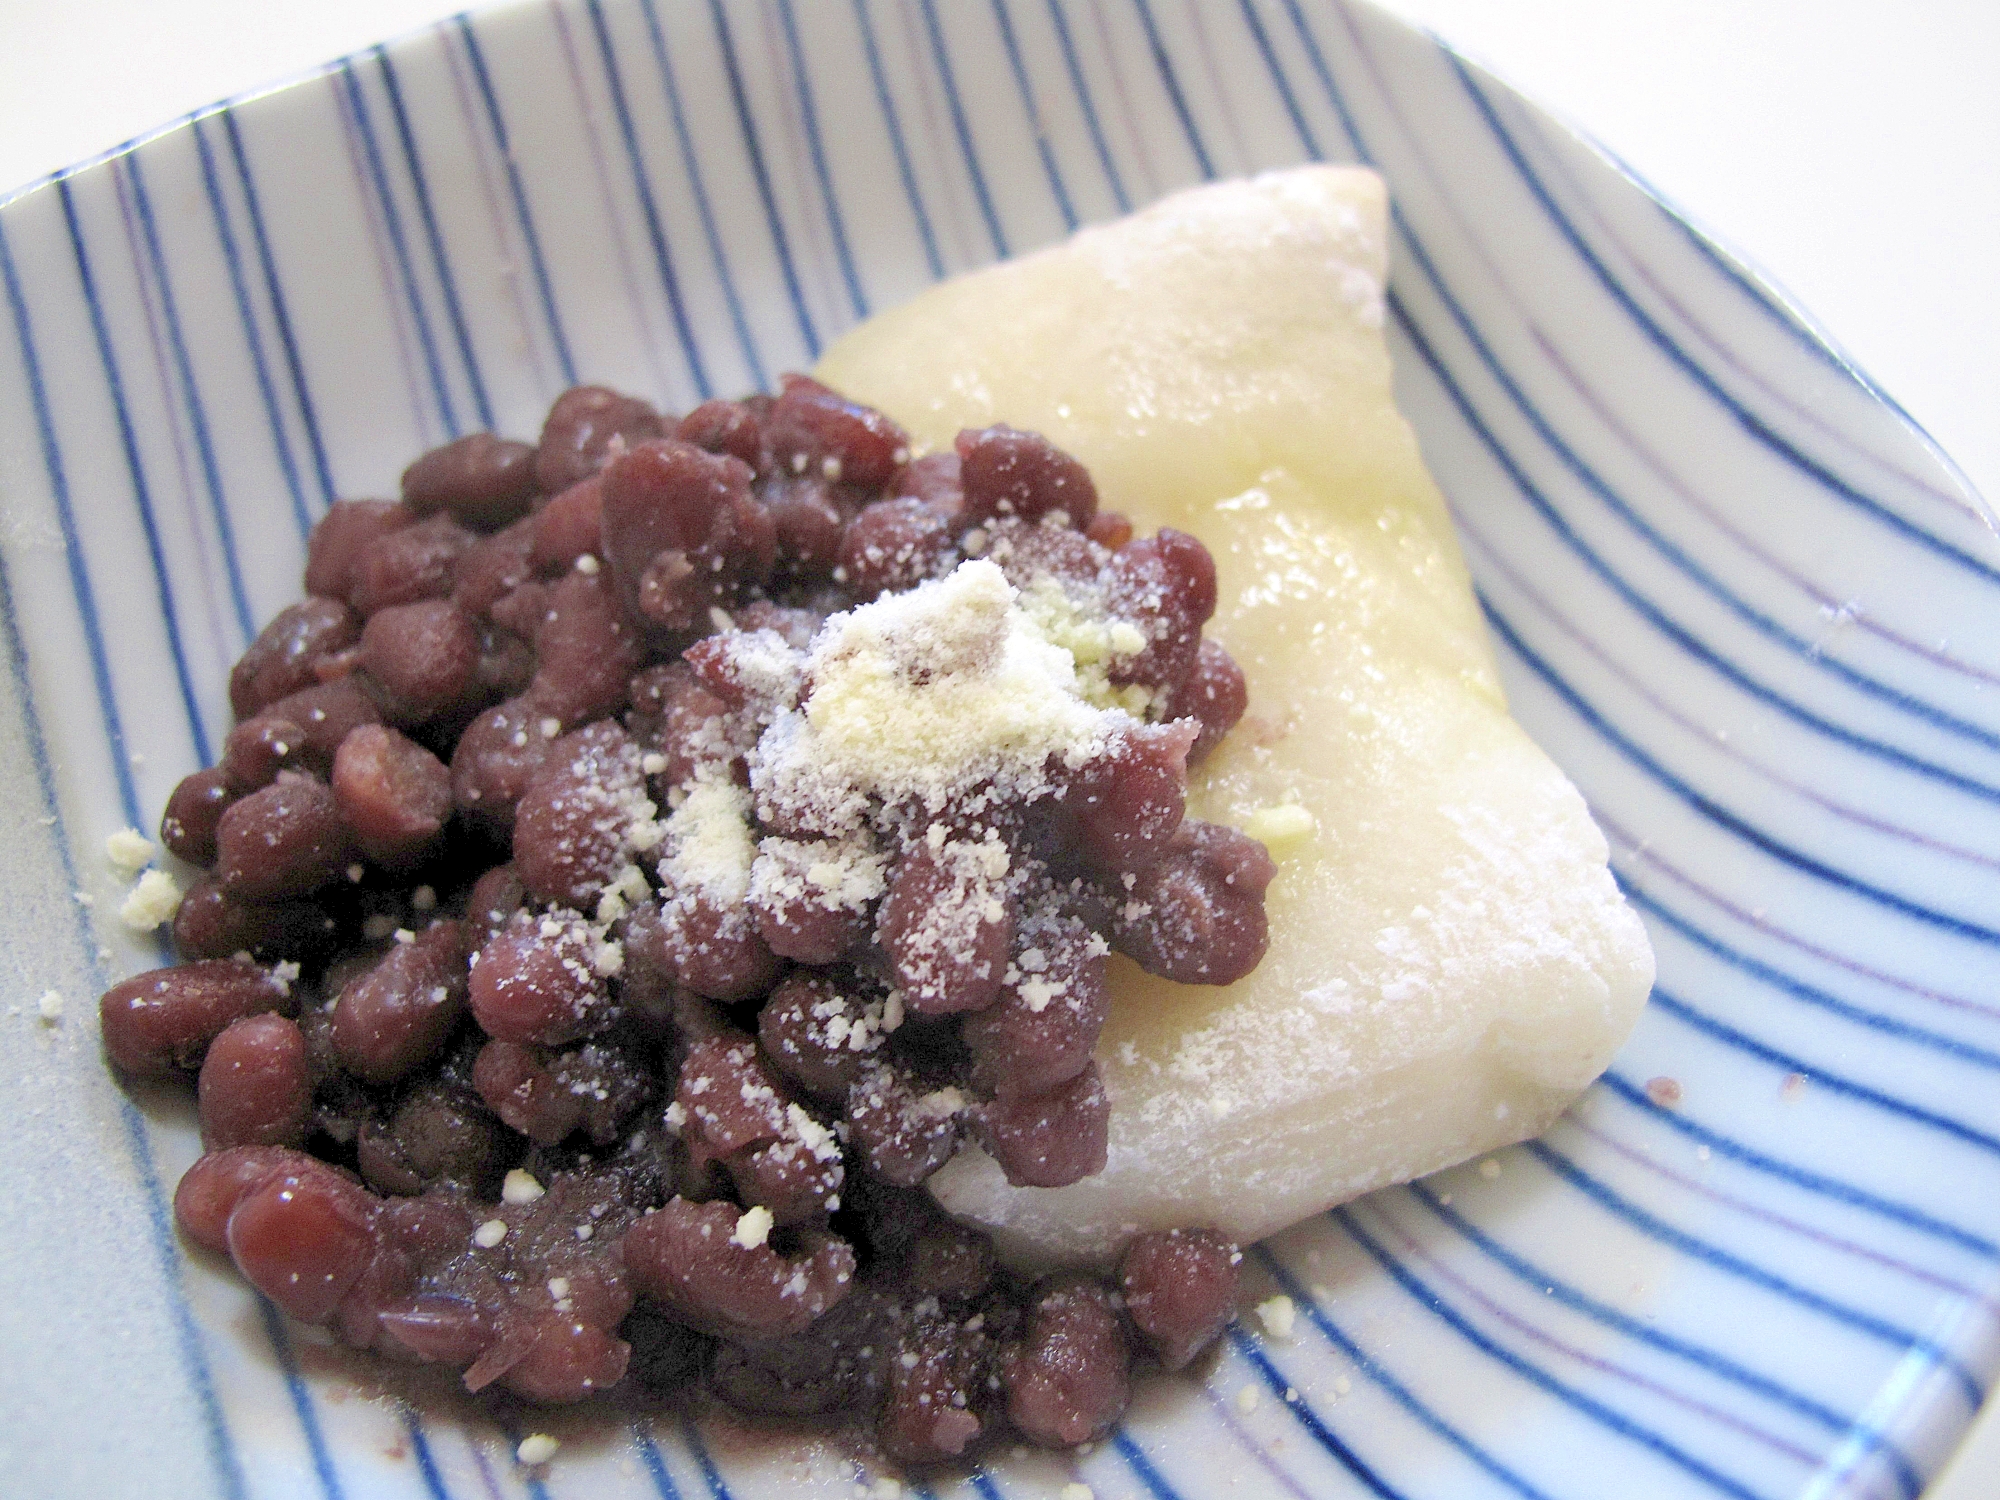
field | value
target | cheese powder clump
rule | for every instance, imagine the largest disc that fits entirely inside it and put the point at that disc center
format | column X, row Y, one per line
column 948, row 696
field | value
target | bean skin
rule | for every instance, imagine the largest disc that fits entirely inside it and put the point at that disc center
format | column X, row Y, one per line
column 424, row 657
column 1068, row 1379
column 283, row 840
column 1180, row 1290
column 396, row 1016
column 393, row 795
column 282, row 658
column 187, row 827
column 587, row 424
column 163, row 1020
column 253, row 1089
column 303, row 1239
column 484, row 481
column 347, row 530
column 1004, row 472
column 1050, row 1139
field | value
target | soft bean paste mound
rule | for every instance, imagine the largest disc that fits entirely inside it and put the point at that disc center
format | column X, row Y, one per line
column 645, row 857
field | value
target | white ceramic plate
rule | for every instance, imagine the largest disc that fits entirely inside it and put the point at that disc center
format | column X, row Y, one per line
column 1736, row 594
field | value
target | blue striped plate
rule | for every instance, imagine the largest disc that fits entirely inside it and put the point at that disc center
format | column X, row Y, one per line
column 1736, row 594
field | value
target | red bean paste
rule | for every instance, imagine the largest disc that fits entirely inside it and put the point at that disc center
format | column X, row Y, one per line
column 645, row 857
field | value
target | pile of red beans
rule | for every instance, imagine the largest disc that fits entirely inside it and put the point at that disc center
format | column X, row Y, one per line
column 465, row 1107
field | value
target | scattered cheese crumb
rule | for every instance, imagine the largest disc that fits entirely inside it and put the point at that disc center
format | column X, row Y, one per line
column 520, row 1187
column 1277, row 1314
column 537, row 1448
column 1489, row 1169
column 886, row 1489
column 153, row 901
column 50, row 1006
column 588, row 564
column 83, row 898
column 1077, row 1492
column 1279, row 825
column 753, row 1228
column 1246, row 1400
column 129, row 851
column 489, row 1234
column 424, row 898
column 1342, row 1386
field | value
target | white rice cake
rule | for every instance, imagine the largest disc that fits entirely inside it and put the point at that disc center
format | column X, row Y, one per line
column 1450, row 962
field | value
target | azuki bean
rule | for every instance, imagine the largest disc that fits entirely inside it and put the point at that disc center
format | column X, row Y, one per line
column 396, row 1016
column 281, row 660
column 393, row 795
column 1005, row 472
column 519, row 1086
column 1180, row 1290
column 1051, row 1139
column 283, row 840
column 494, row 566
column 570, row 824
column 1214, row 694
column 731, row 427
column 497, row 757
column 1069, row 1378
column 253, row 1089
column 895, row 544
column 484, row 481
column 685, row 1256
column 440, row 1133
column 408, row 564
column 529, row 988
column 164, row 1019
column 584, row 427
column 570, row 526
column 210, row 1189
column 942, row 937
column 682, row 533
column 1129, row 801
column 1165, row 584
column 1198, row 913
column 323, row 716
column 347, row 530
column 1042, row 1030
column 425, row 658
column 834, row 436
column 586, row 651
column 213, row 924
column 815, row 1030
column 303, row 1239
column 187, row 827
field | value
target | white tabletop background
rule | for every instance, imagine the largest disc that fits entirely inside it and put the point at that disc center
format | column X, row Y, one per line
column 1850, row 149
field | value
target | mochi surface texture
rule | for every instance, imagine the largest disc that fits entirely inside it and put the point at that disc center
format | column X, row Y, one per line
column 1450, row 961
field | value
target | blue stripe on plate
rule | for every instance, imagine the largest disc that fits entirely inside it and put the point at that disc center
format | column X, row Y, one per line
column 274, row 288
column 518, row 193
column 427, row 217
column 197, row 416
column 253, row 342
